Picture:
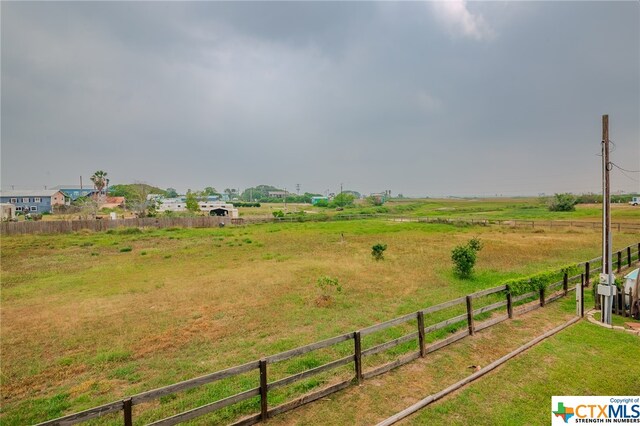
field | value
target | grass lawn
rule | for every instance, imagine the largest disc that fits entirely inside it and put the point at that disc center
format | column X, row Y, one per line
column 88, row 318
column 582, row 360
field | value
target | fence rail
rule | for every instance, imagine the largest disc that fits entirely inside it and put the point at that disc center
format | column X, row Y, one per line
column 67, row 226
column 467, row 321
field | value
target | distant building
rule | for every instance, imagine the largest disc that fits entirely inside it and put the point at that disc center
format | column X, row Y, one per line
column 30, row 201
column 379, row 197
column 112, row 202
column 277, row 194
column 210, row 205
column 76, row 191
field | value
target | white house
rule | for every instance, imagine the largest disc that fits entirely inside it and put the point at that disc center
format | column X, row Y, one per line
column 213, row 207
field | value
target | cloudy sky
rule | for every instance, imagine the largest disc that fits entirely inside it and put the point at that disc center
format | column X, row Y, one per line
column 442, row 98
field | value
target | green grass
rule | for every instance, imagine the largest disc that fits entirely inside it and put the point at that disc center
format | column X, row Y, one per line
column 616, row 319
column 582, row 360
column 83, row 319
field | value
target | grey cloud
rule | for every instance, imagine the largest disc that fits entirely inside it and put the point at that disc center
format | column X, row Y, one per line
column 375, row 95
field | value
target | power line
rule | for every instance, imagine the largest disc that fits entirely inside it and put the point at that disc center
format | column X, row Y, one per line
column 624, row 170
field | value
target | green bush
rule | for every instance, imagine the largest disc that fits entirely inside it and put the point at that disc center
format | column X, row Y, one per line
column 278, row 213
column 377, row 251
column 539, row 281
column 464, row 257
column 563, row 203
column 125, row 249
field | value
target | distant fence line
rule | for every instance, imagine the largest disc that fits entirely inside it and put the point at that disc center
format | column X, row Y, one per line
column 465, row 324
column 68, row 226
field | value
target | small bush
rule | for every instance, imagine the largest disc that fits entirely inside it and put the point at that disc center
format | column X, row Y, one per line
column 125, row 249
column 464, row 257
column 377, row 251
column 327, row 286
column 278, row 213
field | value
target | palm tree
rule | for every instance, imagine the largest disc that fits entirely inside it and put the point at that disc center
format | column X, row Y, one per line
column 99, row 180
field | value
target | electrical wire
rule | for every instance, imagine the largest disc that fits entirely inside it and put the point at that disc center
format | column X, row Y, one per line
column 624, row 170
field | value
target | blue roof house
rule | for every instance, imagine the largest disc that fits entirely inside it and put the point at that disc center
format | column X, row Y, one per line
column 75, row 191
column 33, row 201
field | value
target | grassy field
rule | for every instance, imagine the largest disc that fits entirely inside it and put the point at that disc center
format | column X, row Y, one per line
column 89, row 318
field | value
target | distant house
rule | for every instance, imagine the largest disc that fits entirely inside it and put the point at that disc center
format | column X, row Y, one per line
column 379, row 197
column 277, row 194
column 75, row 191
column 30, row 201
column 210, row 204
column 113, row 202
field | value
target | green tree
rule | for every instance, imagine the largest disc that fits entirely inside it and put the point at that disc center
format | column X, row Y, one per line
column 171, row 193
column 99, row 180
column 192, row 202
column 343, row 200
column 209, row 190
column 563, row 203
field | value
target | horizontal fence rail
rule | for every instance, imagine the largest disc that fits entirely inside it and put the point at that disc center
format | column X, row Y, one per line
column 68, row 226
column 493, row 305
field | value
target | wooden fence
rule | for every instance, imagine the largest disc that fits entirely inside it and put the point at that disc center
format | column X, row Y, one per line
column 479, row 312
column 62, row 226
column 67, row 226
column 521, row 223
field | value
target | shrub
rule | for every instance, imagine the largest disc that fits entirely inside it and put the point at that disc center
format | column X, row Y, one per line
column 278, row 213
column 377, row 251
column 125, row 249
column 327, row 286
column 563, row 203
column 539, row 281
column 464, row 257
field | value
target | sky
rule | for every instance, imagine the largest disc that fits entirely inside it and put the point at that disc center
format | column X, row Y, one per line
column 419, row 98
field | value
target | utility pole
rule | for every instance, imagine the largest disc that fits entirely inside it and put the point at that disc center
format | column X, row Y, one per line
column 607, row 289
column 341, row 187
column 298, row 188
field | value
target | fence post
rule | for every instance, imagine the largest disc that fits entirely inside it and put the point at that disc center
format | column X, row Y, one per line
column 542, row 296
column 582, row 297
column 509, row 303
column 472, row 330
column 263, row 389
column 421, row 333
column 629, row 256
column 619, row 261
column 638, row 252
column 586, row 274
column 621, row 302
column 358, row 356
column 128, row 414
column 565, row 283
